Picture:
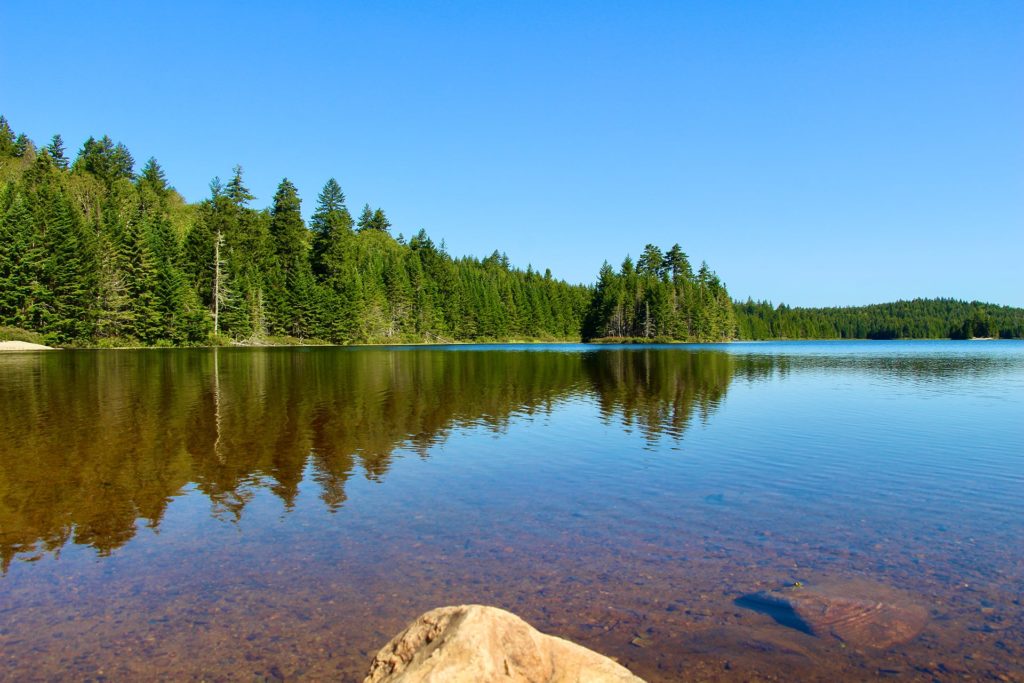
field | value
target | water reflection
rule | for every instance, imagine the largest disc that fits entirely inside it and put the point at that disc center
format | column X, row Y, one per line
column 93, row 443
column 658, row 391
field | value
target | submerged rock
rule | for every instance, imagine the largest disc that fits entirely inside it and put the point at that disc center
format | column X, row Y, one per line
column 855, row 619
column 476, row 643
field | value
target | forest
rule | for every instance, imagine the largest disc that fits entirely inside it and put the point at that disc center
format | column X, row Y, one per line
column 916, row 319
column 659, row 299
column 93, row 253
column 96, row 253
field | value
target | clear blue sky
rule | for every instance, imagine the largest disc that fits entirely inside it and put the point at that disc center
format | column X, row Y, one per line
column 812, row 152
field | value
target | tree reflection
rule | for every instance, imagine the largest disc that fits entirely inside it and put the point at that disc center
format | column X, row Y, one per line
column 96, row 443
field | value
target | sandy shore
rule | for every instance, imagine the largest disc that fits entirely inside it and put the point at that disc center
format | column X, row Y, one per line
column 22, row 346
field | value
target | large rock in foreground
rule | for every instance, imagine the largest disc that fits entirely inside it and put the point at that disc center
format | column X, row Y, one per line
column 478, row 644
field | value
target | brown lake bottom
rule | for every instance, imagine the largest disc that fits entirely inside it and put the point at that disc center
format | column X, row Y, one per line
column 280, row 515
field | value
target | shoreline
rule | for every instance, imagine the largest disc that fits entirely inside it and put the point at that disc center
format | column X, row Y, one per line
column 9, row 346
column 20, row 346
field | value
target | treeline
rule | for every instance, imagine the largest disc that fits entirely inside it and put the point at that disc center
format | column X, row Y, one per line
column 916, row 319
column 93, row 252
column 659, row 298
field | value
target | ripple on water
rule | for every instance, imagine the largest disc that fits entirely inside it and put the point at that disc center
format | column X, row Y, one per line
column 188, row 513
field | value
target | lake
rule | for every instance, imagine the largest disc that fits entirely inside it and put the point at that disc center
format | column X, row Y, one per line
column 268, row 514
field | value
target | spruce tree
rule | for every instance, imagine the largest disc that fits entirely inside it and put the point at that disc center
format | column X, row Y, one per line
column 23, row 147
column 380, row 221
column 16, row 270
column 153, row 178
column 63, row 297
column 678, row 264
column 139, row 267
column 331, row 225
column 6, row 138
column 291, row 279
column 56, row 150
column 365, row 221
column 236, row 190
column 105, row 160
column 650, row 261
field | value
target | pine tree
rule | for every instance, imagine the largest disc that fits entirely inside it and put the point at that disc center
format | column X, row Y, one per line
column 365, row 221
column 63, row 297
column 139, row 267
column 678, row 264
column 290, row 282
column 23, row 147
column 153, row 178
column 105, row 160
column 152, row 188
column 650, row 262
column 56, row 150
column 380, row 221
column 236, row 190
column 16, row 271
column 331, row 224
column 6, row 138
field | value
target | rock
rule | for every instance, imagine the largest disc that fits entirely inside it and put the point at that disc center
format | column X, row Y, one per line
column 22, row 346
column 476, row 643
column 857, row 620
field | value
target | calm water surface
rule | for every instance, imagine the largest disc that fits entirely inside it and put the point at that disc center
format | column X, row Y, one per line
column 281, row 513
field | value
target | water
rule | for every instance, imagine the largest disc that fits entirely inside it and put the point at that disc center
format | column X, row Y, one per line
column 281, row 513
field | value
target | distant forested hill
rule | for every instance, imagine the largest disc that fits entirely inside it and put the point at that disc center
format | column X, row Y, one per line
column 916, row 319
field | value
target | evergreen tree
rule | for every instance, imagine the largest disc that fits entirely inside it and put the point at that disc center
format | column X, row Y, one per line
column 365, row 221
column 16, row 271
column 292, row 296
column 23, row 147
column 139, row 268
column 678, row 264
column 650, row 261
column 56, row 150
column 153, row 178
column 63, row 295
column 6, row 138
column 105, row 160
column 659, row 299
column 331, row 224
column 236, row 190
column 380, row 221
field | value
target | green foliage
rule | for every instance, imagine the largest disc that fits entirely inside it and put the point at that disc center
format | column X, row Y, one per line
column 63, row 296
column 236, row 191
column 56, row 152
column 6, row 138
column 16, row 272
column 373, row 220
column 95, row 255
column 916, row 319
column 659, row 299
column 18, row 334
column 23, row 147
column 105, row 160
